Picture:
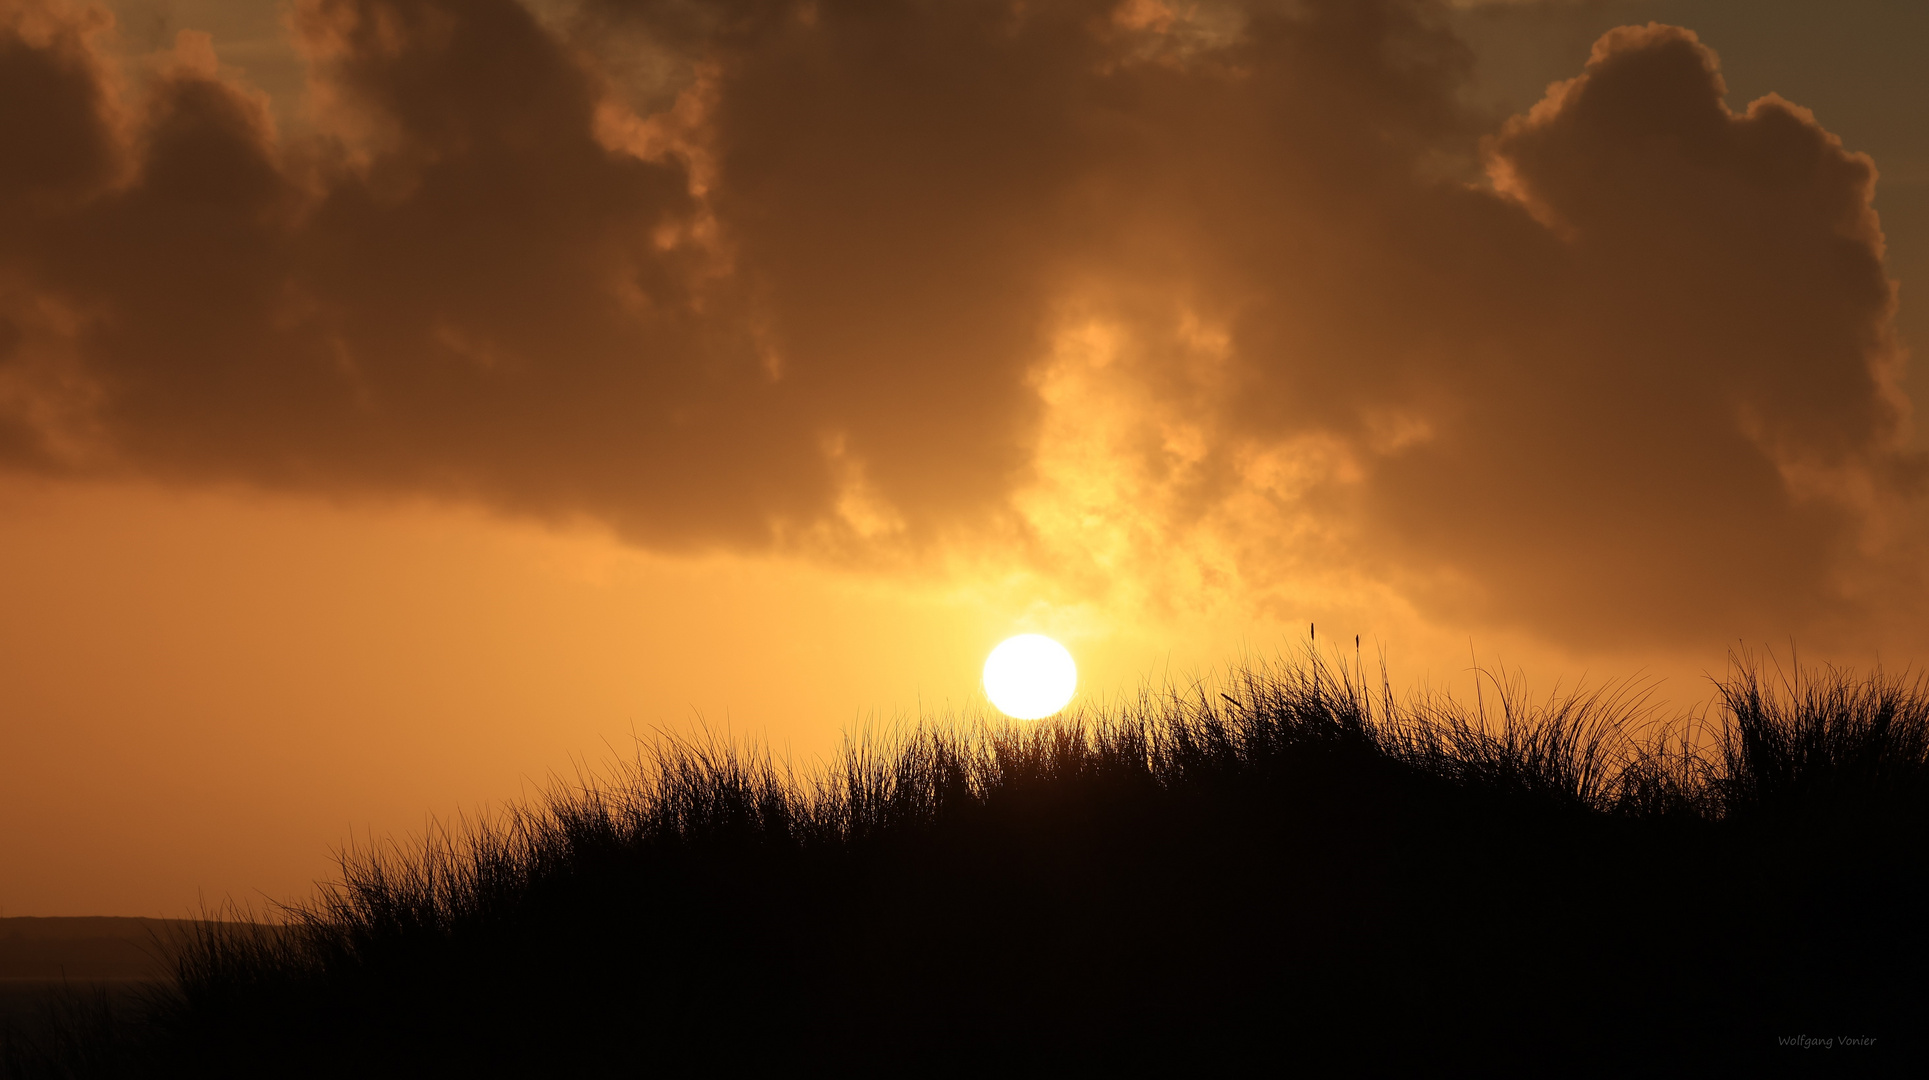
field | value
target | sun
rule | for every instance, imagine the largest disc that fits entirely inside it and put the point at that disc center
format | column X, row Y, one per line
column 1030, row 677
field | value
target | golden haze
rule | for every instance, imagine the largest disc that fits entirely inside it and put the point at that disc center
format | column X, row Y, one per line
column 401, row 401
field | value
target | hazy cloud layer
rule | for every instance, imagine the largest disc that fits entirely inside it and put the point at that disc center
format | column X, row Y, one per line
column 1113, row 285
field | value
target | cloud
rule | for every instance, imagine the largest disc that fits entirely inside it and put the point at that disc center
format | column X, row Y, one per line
column 1233, row 295
column 1694, row 413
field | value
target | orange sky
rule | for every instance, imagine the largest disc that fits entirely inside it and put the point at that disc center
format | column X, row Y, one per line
column 402, row 402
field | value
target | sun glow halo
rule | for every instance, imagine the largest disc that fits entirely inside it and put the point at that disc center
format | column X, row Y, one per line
column 1030, row 677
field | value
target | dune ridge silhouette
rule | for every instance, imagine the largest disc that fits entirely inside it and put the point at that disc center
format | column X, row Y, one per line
column 1292, row 865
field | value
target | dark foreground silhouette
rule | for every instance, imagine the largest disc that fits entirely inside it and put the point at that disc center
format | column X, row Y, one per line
column 1292, row 870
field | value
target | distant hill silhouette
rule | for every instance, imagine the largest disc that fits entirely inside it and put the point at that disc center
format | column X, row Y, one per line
column 87, row 949
column 1294, row 869
column 67, row 971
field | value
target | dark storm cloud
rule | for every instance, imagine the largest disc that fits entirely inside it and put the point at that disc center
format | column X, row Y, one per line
column 757, row 273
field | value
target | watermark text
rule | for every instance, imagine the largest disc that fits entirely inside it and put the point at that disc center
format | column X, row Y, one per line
column 1811, row 1042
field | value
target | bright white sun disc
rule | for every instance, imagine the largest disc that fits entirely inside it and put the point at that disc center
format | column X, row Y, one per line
column 1030, row 677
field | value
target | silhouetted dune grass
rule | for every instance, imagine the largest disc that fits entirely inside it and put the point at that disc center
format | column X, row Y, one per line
column 1294, row 867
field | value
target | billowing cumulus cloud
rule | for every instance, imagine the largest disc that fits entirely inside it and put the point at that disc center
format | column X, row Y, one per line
column 1239, row 291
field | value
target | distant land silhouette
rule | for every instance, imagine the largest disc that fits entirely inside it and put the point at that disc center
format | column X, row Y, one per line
column 1294, row 868
column 51, row 964
column 88, row 948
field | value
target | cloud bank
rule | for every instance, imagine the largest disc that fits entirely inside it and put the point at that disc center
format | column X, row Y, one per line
column 1240, row 285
